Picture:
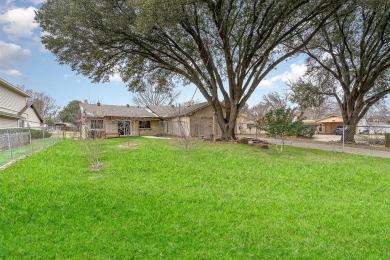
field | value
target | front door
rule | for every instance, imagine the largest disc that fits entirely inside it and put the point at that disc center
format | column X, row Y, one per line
column 124, row 128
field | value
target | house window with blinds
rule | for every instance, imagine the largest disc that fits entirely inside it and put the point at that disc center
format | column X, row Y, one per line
column 144, row 124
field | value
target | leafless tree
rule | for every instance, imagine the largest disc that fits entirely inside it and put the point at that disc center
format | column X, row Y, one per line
column 43, row 103
column 151, row 95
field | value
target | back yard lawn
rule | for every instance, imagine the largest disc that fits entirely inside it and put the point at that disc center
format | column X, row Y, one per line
column 153, row 199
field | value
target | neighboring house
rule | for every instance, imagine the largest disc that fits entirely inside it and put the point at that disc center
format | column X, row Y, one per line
column 15, row 110
column 327, row 125
column 65, row 126
column 245, row 124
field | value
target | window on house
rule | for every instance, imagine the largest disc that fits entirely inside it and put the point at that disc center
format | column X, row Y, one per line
column 21, row 122
column 97, row 124
column 144, row 124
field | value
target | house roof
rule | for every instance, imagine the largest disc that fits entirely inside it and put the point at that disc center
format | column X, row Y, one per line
column 92, row 110
column 5, row 114
column 171, row 111
column 28, row 105
column 11, row 87
column 155, row 111
column 192, row 108
column 245, row 118
column 330, row 119
column 60, row 123
column 162, row 111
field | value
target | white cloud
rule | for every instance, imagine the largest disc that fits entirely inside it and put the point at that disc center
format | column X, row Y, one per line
column 11, row 53
column 296, row 71
column 265, row 83
column 116, row 78
column 19, row 22
column 13, row 73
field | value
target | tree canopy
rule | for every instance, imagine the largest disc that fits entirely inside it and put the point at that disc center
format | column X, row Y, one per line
column 224, row 48
column 351, row 57
column 71, row 113
column 43, row 103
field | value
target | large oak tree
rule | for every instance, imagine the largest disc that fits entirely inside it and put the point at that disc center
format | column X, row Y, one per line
column 224, row 47
column 350, row 59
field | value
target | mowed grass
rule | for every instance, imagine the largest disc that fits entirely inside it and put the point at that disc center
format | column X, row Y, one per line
column 153, row 199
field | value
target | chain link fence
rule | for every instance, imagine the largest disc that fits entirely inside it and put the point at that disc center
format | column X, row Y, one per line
column 16, row 143
column 362, row 136
column 372, row 135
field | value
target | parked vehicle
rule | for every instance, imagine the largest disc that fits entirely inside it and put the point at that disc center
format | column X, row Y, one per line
column 338, row 130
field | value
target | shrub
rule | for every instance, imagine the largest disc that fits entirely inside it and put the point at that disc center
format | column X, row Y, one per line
column 308, row 131
column 38, row 134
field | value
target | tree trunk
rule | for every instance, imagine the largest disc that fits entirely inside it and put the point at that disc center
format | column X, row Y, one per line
column 227, row 130
column 226, row 115
column 349, row 133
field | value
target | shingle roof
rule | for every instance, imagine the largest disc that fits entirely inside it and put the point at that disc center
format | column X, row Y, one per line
column 191, row 109
column 330, row 118
column 162, row 111
column 156, row 111
column 92, row 110
column 170, row 111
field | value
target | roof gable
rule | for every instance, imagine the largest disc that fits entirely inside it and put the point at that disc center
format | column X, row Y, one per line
column 14, row 89
column 330, row 118
column 28, row 105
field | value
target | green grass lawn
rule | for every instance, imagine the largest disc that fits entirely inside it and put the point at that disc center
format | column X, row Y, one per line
column 153, row 199
column 6, row 156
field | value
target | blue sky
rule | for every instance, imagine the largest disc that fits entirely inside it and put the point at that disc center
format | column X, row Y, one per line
column 24, row 61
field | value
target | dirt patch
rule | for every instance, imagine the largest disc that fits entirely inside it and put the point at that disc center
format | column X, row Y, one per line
column 95, row 176
column 96, row 166
column 130, row 146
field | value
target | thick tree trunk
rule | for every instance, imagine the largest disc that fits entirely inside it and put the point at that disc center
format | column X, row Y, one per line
column 227, row 124
column 349, row 133
column 351, row 120
column 227, row 131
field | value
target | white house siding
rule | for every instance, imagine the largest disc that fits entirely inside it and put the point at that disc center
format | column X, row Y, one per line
column 153, row 130
column 110, row 126
column 33, row 119
column 202, row 127
column 6, row 122
column 173, row 127
column 11, row 102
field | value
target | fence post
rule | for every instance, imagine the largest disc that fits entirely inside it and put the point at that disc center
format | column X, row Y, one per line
column 29, row 132
column 9, row 144
column 387, row 140
column 343, row 137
